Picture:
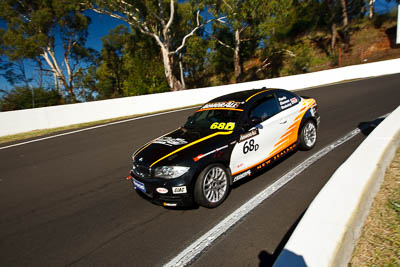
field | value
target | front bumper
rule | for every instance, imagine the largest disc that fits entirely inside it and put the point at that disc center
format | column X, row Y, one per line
column 168, row 193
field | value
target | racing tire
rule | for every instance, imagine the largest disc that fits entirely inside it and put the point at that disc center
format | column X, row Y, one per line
column 308, row 135
column 212, row 186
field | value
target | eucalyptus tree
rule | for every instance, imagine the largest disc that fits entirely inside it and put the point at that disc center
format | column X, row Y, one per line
column 129, row 64
column 111, row 70
column 338, row 15
column 33, row 29
column 156, row 18
column 345, row 21
column 246, row 21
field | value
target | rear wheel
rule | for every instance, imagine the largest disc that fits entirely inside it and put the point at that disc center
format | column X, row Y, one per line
column 308, row 136
column 212, row 186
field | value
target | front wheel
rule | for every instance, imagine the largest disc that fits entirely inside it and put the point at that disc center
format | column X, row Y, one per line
column 212, row 186
column 308, row 136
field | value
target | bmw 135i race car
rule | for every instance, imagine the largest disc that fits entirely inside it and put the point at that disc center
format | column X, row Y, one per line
column 227, row 139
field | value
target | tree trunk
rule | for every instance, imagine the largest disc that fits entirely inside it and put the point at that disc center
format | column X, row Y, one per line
column 59, row 77
column 181, row 71
column 345, row 24
column 334, row 36
column 168, row 61
column 57, row 84
column 236, row 57
column 71, row 94
column 371, row 8
column 344, row 13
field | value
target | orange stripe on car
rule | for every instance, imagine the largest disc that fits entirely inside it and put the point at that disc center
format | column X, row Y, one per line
column 288, row 133
column 281, row 142
column 256, row 94
column 291, row 133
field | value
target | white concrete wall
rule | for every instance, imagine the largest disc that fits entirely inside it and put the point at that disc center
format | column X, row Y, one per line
column 14, row 122
column 331, row 226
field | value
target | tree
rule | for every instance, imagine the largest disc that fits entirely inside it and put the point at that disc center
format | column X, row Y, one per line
column 130, row 64
column 371, row 4
column 20, row 98
column 155, row 19
column 345, row 19
column 32, row 30
column 196, row 62
column 192, row 60
column 15, row 73
column 246, row 21
column 112, row 67
column 341, row 13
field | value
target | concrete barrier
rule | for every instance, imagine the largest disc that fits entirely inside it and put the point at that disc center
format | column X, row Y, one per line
column 20, row 121
column 330, row 228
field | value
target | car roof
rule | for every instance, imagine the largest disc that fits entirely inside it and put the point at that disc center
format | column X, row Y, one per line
column 244, row 96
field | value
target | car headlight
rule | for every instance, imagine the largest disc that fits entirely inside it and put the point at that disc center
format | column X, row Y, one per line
column 170, row 172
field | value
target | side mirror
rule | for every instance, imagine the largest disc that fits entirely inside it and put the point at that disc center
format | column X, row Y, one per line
column 189, row 118
column 251, row 123
column 255, row 120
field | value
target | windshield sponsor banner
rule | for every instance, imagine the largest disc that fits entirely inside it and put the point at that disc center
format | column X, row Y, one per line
column 229, row 104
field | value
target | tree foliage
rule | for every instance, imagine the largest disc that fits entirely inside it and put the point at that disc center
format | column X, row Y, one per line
column 129, row 65
column 157, row 19
column 32, row 30
column 167, row 45
column 21, row 98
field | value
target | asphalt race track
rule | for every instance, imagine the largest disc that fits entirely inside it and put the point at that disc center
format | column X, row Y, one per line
column 65, row 201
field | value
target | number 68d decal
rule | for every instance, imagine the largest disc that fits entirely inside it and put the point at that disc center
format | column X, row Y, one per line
column 222, row 126
column 250, row 146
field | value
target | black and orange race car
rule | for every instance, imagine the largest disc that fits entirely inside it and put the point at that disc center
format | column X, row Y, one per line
column 227, row 139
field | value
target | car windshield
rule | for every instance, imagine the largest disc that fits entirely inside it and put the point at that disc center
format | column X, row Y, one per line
column 214, row 119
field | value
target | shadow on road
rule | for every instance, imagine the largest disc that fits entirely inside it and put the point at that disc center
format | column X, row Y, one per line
column 367, row 127
column 267, row 259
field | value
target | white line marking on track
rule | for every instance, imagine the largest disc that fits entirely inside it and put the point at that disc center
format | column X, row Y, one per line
column 189, row 254
column 95, row 127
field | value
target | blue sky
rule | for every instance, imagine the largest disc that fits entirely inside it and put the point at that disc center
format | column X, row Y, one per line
column 102, row 24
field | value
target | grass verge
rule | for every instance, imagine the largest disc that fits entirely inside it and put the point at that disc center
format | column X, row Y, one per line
column 379, row 244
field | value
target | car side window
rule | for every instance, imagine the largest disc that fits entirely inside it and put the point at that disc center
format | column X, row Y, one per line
column 264, row 108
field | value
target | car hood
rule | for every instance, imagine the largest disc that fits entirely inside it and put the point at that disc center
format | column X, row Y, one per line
column 181, row 142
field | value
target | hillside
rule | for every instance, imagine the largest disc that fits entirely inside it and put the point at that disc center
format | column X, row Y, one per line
column 370, row 41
